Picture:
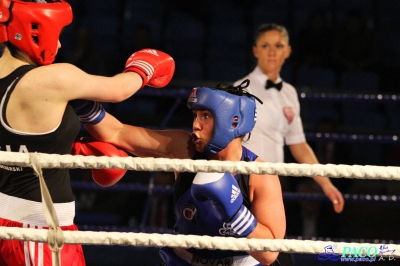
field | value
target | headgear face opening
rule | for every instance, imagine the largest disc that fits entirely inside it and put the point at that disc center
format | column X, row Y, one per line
column 35, row 27
column 234, row 115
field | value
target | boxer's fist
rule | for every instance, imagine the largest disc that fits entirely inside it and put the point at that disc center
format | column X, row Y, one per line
column 222, row 190
column 155, row 67
column 89, row 147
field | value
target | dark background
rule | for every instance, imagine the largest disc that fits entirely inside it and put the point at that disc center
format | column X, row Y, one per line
column 340, row 47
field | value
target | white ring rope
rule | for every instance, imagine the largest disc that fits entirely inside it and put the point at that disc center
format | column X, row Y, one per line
column 188, row 165
column 187, row 241
column 55, row 238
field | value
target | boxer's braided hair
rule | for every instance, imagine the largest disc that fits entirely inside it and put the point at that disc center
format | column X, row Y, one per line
column 239, row 90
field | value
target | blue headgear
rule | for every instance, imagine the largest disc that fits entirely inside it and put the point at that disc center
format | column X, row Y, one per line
column 234, row 115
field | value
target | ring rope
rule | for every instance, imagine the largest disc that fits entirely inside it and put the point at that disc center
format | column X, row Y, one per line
column 186, row 241
column 161, row 230
column 336, row 137
column 55, row 237
column 353, row 138
column 168, row 189
column 188, row 165
column 184, row 92
column 351, row 97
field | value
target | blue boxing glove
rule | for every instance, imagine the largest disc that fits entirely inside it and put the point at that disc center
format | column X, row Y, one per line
column 88, row 111
column 222, row 190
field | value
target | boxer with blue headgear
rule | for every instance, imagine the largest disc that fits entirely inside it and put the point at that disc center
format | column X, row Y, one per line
column 233, row 108
column 225, row 204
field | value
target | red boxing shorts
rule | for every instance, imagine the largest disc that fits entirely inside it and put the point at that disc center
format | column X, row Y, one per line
column 24, row 253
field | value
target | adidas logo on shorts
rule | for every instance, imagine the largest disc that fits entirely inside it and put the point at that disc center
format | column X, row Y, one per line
column 192, row 97
column 235, row 193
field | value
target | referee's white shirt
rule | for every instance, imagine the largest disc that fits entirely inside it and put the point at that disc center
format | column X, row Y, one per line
column 273, row 129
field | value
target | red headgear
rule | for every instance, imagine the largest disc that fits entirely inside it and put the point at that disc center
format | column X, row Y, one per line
column 34, row 27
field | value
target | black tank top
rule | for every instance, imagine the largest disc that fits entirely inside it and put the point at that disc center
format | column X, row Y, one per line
column 21, row 182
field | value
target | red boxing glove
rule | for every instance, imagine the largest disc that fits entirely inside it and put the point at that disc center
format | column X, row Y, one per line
column 155, row 67
column 103, row 177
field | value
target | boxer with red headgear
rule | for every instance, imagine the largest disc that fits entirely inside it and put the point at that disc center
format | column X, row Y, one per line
column 36, row 27
column 40, row 111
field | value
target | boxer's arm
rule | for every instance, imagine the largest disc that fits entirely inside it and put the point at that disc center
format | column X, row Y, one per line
column 141, row 141
column 66, row 82
column 267, row 206
column 303, row 153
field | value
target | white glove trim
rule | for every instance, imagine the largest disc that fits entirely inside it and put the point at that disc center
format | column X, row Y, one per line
column 144, row 66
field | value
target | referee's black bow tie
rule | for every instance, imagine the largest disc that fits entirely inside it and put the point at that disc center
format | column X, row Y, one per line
column 270, row 84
